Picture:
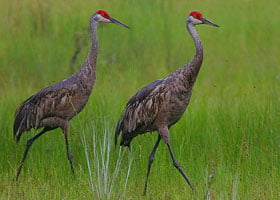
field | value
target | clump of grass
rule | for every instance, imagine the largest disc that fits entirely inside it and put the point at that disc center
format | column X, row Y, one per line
column 210, row 176
column 106, row 172
column 235, row 187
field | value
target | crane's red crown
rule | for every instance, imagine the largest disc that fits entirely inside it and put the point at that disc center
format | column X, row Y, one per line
column 196, row 14
column 103, row 13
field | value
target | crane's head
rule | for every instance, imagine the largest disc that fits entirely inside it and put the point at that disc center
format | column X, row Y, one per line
column 196, row 18
column 103, row 16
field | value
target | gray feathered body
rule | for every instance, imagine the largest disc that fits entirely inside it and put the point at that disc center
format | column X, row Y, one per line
column 161, row 103
column 57, row 104
column 54, row 106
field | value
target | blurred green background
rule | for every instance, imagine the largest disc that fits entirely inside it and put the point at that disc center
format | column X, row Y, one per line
column 228, row 140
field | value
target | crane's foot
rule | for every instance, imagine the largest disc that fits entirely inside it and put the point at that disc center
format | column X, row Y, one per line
column 18, row 171
column 177, row 165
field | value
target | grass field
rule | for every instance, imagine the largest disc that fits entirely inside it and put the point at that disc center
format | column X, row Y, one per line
column 228, row 140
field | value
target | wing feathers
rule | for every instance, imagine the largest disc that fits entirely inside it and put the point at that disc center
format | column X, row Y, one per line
column 43, row 104
column 140, row 112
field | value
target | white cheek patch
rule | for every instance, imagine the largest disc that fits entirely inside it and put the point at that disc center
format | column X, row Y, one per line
column 103, row 19
column 196, row 21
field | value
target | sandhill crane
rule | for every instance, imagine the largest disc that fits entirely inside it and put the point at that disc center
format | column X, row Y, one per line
column 54, row 106
column 159, row 105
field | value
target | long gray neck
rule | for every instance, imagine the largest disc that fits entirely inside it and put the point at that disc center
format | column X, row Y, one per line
column 191, row 70
column 87, row 73
column 92, row 56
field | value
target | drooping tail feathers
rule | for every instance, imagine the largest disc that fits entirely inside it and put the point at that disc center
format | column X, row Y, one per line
column 118, row 130
column 19, row 122
column 25, row 118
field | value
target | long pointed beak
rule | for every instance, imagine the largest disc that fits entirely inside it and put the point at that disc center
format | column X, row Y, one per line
column 117, row 22
column 205, row 21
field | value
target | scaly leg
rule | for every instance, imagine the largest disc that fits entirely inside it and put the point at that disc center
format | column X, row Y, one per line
column 164, row 133
column 28, row 145
column 69, row 155
column 177, row 165
column 150, row 161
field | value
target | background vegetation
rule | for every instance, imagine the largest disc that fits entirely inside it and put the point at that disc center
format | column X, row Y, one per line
column 228, row 141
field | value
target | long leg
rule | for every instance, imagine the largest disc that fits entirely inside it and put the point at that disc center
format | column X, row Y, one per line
column 69, row 155
column 28, row 145
column 177, row 165
column 150, row 161
column 164, row 132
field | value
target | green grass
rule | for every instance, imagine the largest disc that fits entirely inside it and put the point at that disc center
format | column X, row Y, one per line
column 228, row 140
